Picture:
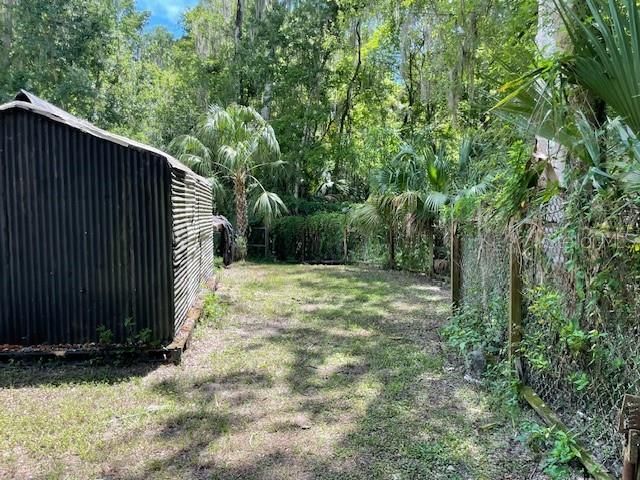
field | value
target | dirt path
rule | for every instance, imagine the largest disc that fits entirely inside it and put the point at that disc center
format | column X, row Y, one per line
column 300, row 372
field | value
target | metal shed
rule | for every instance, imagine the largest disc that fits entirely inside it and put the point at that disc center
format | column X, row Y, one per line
column 97, row 232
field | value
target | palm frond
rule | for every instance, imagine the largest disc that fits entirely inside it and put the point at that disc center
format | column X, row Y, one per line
column 434, row 201
column 478, row 189
column 406, row 152
column 229, row 157
column 246, row 115
column 438, row 171
column 606, row 56
column 268, row 140
column 407, row 201
column 589, row 141
column 268, row 206
column 628, row 150
column 366, row 217
column 217, row 126
column 538, row 105
column 190, row 145
column 465, row 151
column 195, row 163
column 631, row 179
column 218, row 189
column 382, row 180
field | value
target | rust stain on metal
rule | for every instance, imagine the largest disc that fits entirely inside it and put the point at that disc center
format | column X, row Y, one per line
column 97, row 232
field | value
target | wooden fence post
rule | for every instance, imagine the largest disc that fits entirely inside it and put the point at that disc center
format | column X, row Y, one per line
column 515, row 305
column 456, row 268
column 345, row 244
column 267, row 250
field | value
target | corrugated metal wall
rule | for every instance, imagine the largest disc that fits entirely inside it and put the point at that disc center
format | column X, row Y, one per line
column 193, row 239
column 85, row 235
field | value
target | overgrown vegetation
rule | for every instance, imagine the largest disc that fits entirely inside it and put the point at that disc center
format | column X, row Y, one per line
column 361, row 107
column 320, row 237
column 573, row 213
column 561, row 448
column 214, row 311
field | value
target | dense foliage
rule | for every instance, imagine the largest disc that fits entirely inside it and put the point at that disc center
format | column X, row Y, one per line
column 370, row 102
column 321, row 237
column 344, row 84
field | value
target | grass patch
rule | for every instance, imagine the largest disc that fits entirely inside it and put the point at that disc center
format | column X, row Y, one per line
column 295, row 372
column 213, row 311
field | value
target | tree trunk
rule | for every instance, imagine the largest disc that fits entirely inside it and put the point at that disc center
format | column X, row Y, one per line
column 242, row 215
column 408, row 117
column 238, row 27
column 354, row 78
column 267, row 96
column 6, row 28
column 551, row 39
column 237, row 36
column 348, row 101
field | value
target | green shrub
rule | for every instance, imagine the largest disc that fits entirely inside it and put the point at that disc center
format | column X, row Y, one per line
column 105, row 335
column 326, row 237
column 318, row 237
column 305, row 207
column 213, row 311
column 473, row 328
column 560, row 448
column 288, row 238
column 415, row 254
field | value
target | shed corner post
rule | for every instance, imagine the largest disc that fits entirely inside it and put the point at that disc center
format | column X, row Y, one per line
column 456, row 267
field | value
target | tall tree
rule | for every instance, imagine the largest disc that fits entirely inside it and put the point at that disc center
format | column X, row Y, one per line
column 236, row 144
column 551, row 40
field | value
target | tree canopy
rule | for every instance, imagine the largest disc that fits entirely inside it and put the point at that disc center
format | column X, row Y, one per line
column 343, row 83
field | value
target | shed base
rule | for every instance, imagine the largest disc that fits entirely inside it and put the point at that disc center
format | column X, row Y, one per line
column 172, row 353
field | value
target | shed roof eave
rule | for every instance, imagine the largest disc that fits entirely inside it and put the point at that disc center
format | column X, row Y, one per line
column 41, row 107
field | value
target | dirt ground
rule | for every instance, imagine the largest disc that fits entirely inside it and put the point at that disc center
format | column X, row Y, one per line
column 298, row 372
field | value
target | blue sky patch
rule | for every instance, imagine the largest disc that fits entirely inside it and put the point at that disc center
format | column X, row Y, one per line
column 166, row 13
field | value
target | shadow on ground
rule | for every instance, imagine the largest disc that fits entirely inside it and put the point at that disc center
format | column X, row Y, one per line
column 349, row 384
column 58, row 373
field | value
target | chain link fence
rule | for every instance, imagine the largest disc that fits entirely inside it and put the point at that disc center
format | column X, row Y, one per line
column 581, row 305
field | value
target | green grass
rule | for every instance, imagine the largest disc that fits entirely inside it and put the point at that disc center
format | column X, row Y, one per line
column 296, row 372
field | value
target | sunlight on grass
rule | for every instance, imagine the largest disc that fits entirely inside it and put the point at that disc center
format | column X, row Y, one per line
column 294, row 372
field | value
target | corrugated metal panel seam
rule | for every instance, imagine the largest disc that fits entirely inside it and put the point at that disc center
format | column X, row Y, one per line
column 85, row 235
column 192, row 207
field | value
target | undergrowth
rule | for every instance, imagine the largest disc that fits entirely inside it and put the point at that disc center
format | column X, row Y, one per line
column 214, row 311
column 559, row 447
column 473, row 329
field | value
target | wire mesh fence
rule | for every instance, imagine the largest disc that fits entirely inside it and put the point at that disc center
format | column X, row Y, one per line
column 581, row 305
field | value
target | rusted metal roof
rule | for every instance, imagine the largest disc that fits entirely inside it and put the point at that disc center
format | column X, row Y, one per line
column 28, row 101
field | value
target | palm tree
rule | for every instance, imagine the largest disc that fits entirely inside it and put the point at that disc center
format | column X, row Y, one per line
column 411, row 190
column 604, row 61
column 375, row 216
column 442, row 181
column 235, row 144
column 396, row 200
column 606, row 57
